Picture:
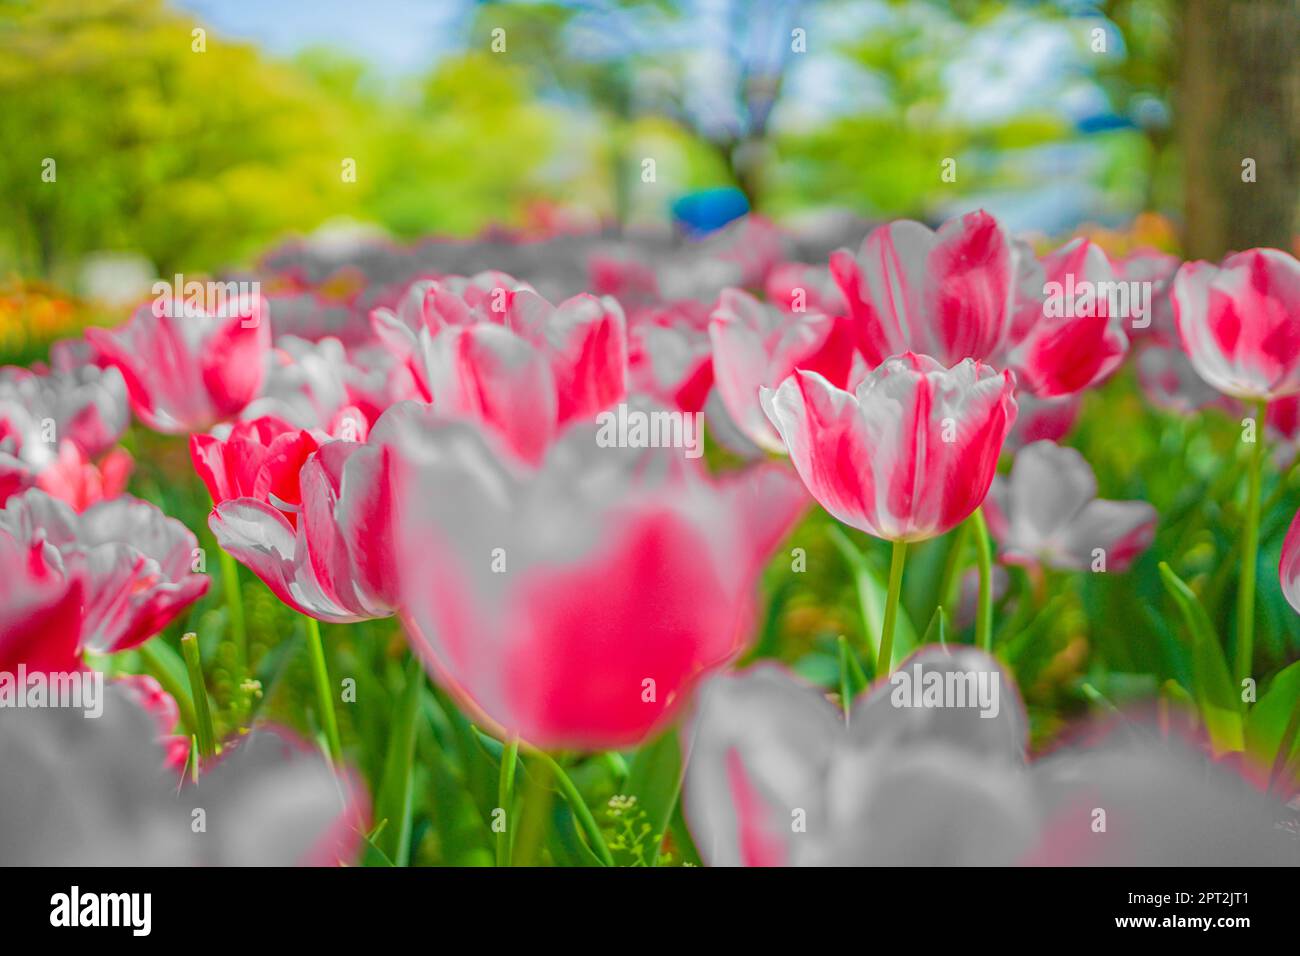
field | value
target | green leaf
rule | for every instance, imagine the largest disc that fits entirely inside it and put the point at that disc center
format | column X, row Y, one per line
column 1216, row 695
column 936, row 632
column 1268, row 719
column 852, row 678
column 394, row 801
column 166, row 667
column 655, row 779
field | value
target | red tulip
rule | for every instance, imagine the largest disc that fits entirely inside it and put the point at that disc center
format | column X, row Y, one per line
column 908, row 456
column 1240, row 322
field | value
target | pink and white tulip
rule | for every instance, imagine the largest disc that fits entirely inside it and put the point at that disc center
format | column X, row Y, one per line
column 309, row 517
column 40, row 608
column 53, row 425
column 137, row 563
column 1289, row 567
column 908, row 455
column 757, row 346
column 1240, row 322
column 1047, row 512
column 491, row 350
column 577, row 606
column 947, row 294
column 185, row 373
column 970, row 291
column 1074, row 342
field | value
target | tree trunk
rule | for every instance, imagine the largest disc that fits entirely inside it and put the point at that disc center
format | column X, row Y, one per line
column 1238, row 100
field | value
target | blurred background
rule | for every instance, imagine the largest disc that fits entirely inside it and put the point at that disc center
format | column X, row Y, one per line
column 144, row 138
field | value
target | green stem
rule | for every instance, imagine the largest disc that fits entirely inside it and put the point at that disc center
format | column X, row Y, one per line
column 579, row 808
column 506, row 799
column 203, row 713
column 896, row 561
column 952, row 566
column 1250, row 553
column 984, row 559
column 235, row 604
column 324, row 697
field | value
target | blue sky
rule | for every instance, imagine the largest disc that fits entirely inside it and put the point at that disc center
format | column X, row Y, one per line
column 394, row 36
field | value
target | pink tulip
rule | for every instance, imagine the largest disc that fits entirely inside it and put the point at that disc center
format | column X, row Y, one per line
column 970, row 291
column 908, row 456
column 1043, row 419
column 84, row 404
column 947, row 294
column 775, row 778
column 490, row 349
column 40, row 608
column 308, row 516
column 103, row 796
column 137, row 563
column 161, row 707
column 1169, row 381
column 1240, row 322
column 255, row 459
column 1047, row 512
column 52, row 427
column 797, row 287
column 670, row 357
column 1072, row 343
column 185, row 373
column 81, row 483
column 756, row 346
column 308, row 387
column 1158, row 268
column 576, row 606
column 1289, row 568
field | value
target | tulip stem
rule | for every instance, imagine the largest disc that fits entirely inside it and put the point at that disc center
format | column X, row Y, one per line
column 984, row 559
column 324, row 699
column 1250, row 552
column 202, row 712
column 952, row 567
column 896, row 561
column 235, row 608
column 506, row 799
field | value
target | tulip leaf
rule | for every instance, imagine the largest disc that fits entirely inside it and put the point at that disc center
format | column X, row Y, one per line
column 1216, row 695
column 853, row 680
column 1175, row 696
column 936, row 632
column 655, row 779
column 1266, row 725
column 166, row 667
column 394, row 801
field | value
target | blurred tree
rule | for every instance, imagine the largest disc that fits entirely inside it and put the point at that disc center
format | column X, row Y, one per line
column 124, row 130
column 1239, row 100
